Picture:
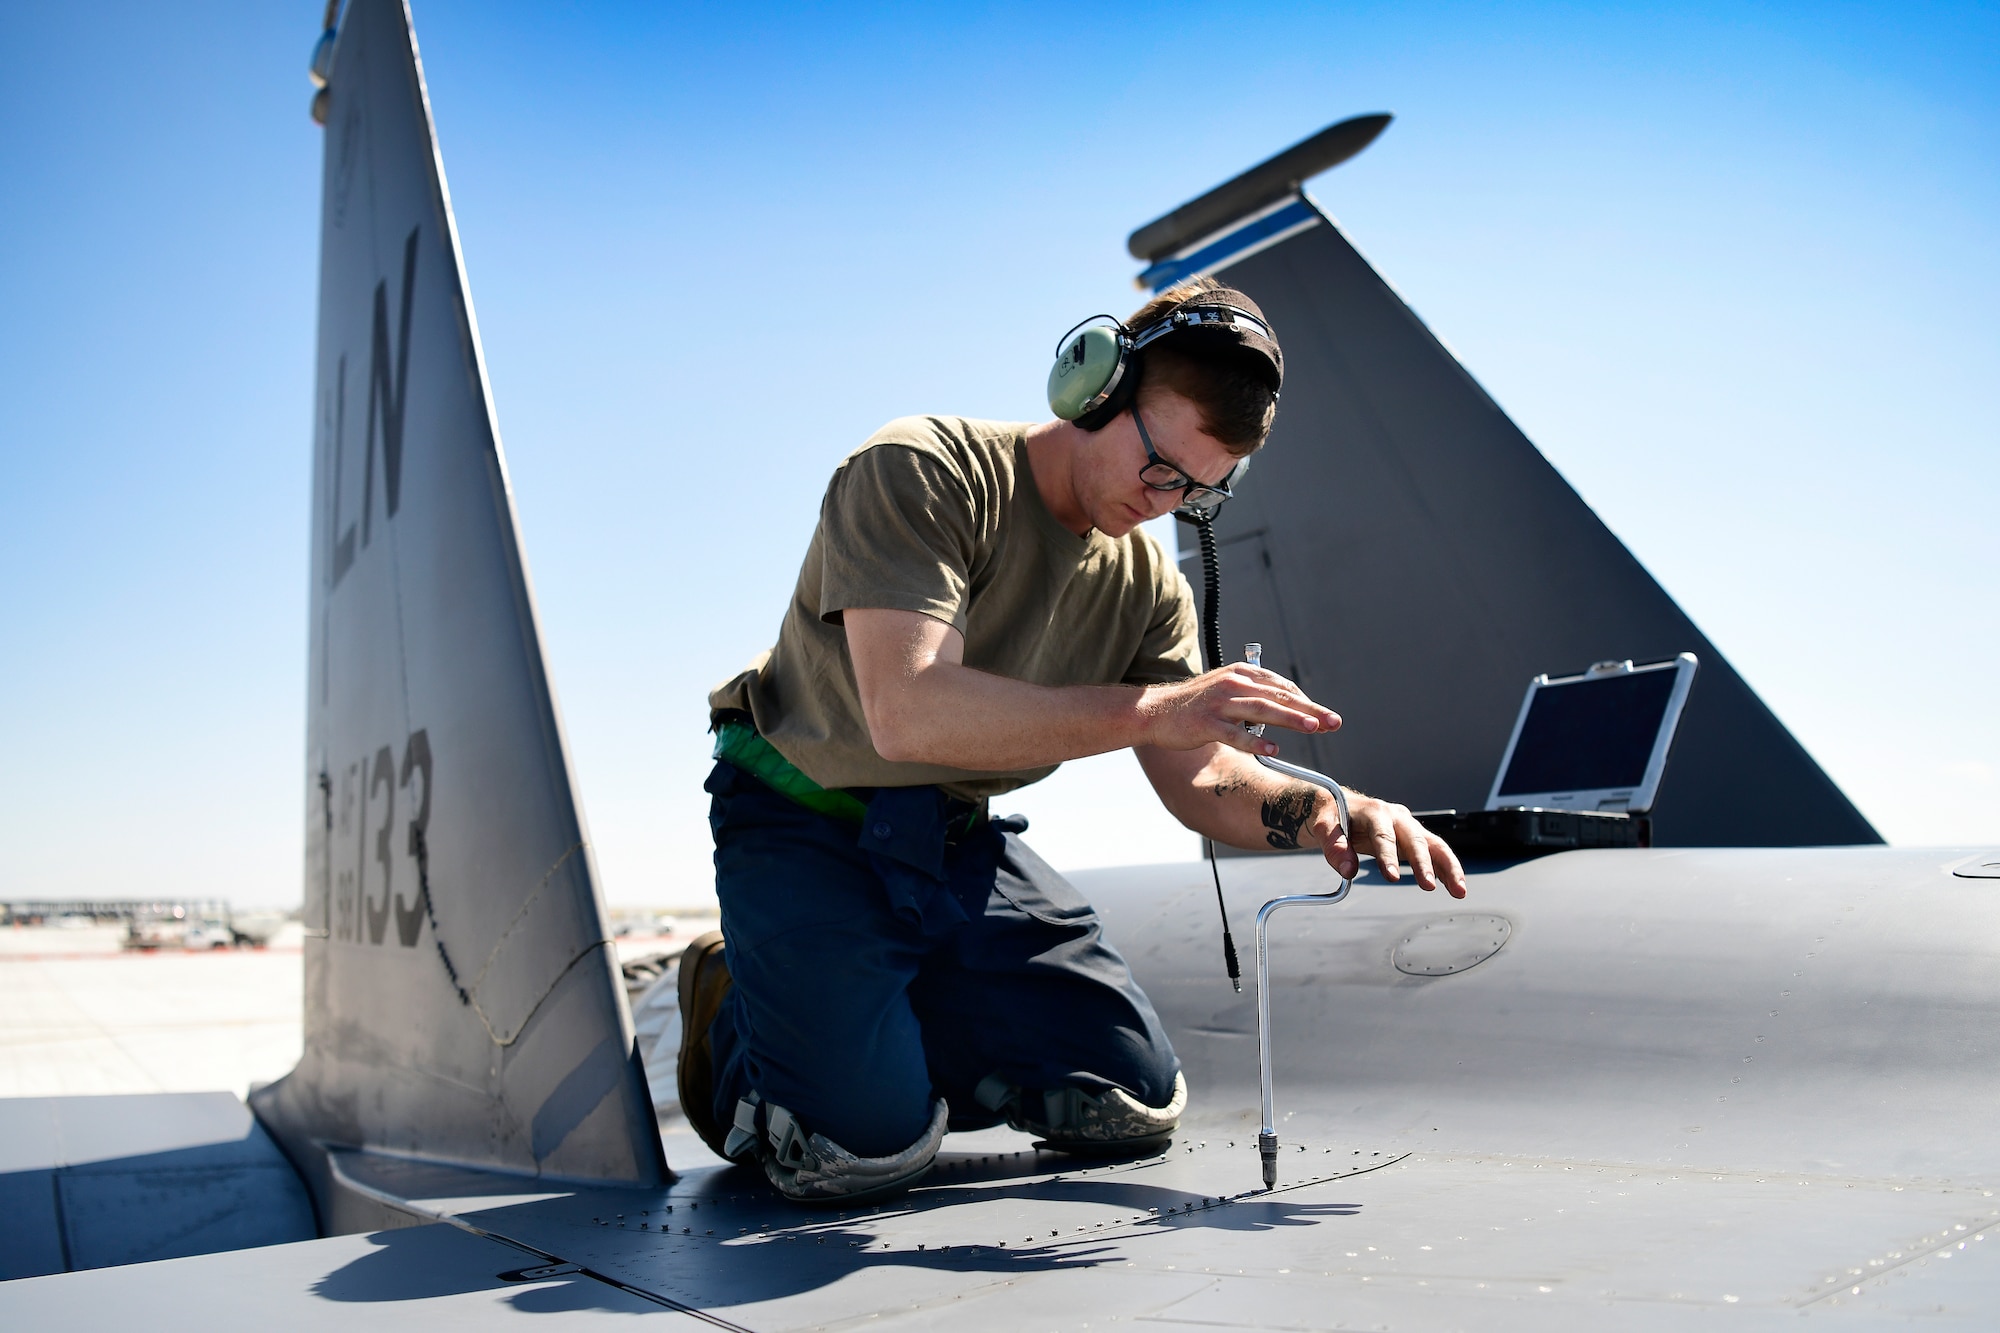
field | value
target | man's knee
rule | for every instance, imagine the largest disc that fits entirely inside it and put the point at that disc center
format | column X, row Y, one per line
column 875, row 1116
column 809, row 1167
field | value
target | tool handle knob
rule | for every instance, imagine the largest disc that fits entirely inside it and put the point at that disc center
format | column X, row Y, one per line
column 1253, row 653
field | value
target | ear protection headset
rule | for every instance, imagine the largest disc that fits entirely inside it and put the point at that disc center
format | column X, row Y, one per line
column 1099, row 362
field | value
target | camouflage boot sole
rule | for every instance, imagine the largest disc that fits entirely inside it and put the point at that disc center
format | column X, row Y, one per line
column 1112, row 1123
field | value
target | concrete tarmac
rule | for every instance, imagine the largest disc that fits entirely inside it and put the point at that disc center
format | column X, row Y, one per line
column 79, row 1015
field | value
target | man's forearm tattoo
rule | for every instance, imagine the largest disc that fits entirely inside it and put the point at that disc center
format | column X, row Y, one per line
column 1288, row 812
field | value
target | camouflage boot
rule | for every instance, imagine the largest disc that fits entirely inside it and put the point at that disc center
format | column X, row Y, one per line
column 1108, row 1123
column 704, row 981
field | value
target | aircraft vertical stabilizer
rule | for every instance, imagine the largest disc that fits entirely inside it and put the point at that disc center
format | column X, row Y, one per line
column 1407, row 554
column 462, row 1002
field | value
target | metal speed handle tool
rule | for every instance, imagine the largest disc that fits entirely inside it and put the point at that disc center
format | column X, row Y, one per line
column 1267, row 1137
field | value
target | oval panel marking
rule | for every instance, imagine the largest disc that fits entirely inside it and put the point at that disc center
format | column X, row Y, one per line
column 1447, row 944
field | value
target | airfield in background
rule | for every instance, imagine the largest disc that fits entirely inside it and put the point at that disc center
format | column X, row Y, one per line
column 81, row 1013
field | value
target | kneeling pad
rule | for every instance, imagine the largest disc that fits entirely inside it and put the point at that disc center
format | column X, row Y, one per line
column 811, row 1168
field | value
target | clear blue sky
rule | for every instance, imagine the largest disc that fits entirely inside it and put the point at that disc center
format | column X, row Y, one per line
column 1734, row 268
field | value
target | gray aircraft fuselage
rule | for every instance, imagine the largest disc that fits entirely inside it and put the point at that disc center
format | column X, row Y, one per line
column 1616, row 1088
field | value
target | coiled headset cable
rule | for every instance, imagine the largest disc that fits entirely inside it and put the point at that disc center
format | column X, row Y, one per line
column 1211, row 646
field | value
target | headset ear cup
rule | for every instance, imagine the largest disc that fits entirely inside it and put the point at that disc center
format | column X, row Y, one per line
column 1087, row 361
column 1121, row 395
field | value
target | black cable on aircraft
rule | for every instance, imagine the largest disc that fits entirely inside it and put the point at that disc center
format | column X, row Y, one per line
column 1211, row 646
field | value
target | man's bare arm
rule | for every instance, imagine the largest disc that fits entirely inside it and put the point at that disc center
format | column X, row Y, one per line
column 1223, row 794
column 924, row 705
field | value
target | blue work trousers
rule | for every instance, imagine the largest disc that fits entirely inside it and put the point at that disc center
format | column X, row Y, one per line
column 878, row 965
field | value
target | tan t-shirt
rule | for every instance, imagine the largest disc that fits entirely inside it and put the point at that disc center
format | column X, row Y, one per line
column 941, row 515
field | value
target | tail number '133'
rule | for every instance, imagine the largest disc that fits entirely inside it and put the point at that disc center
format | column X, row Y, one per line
column 378, row 858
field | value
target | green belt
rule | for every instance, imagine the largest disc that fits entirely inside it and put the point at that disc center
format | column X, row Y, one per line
column 737, row 743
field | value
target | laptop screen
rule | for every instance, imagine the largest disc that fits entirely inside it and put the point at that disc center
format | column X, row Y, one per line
column 1587, row 735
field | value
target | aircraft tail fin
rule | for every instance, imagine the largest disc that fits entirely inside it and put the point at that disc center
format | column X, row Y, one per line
column 1407, row 554
column 462, row 999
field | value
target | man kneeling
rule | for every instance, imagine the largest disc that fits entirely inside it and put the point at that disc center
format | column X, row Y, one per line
column 978, row 605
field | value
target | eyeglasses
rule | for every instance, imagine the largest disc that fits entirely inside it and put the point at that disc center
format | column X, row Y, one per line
column 1161, row 475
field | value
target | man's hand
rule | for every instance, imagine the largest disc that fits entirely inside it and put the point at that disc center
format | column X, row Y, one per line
column 1223, row 794
column 1211, row 709
column 1392, row 834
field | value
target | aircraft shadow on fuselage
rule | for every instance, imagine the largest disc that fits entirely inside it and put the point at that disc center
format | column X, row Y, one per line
column 782, row 1249
column 200, row 1199
column 424, row 1263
